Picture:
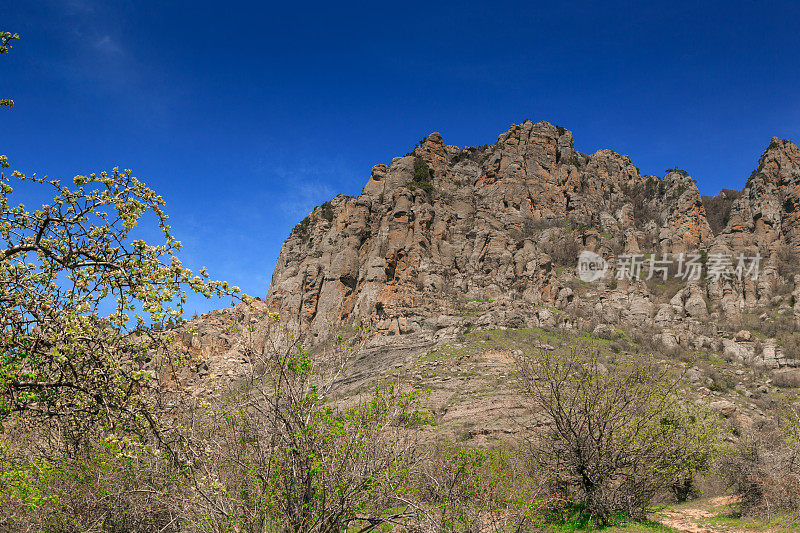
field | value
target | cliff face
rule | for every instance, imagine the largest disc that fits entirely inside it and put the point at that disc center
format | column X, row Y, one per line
column 458, row 259
column 446, row 237
column 768, row 211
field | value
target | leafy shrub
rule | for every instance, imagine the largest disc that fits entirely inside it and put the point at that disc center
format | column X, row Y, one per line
column 279, row 453
column 422, row 172
column 722, row 382
column 617, row 435
column 421, row 176
column 563, row 248
column 326, row 211
column 112, row 484
column 677, row 171
column 790, row 343
column 301, row 228
column 422, row 185
column 462, row 488
column 786, row 379
column 764, row 468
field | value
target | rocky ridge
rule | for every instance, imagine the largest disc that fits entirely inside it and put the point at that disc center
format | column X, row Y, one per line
column 452, row 262
column 446, row 238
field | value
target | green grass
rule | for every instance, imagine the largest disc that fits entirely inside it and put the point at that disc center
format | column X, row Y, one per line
column 778, row 524
column 581, row 521
column 647, row 525
column 475, row 342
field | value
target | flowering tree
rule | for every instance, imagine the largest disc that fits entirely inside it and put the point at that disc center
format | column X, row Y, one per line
column 61, row 357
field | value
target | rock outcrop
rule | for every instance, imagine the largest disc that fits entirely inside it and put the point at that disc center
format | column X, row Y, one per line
column 768, row 211
column 454, row 261
column 446, row 238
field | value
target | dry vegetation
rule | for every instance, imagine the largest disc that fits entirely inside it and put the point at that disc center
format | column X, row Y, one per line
column 718, row 208
column 279, row 451
column 763, row 469
column 99, row 435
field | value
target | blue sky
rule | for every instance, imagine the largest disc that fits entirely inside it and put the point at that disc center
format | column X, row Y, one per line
column 245, row 115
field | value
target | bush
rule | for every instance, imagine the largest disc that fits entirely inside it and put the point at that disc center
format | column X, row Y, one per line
column 764, row 468
column 422, row 172
column 786, row 379
column 272, row 452
column 111, row 484
column 276, row 451
column 618, row 435
column 461, row 488
column 563, row 248
column 326, row 211
column 722, row 382
column 302, row 227
column 790, row 343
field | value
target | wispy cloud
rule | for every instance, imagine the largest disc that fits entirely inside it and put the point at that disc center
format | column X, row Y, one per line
column 300, row 198
column 107, row 45
column 79, row 6
column 300, row 185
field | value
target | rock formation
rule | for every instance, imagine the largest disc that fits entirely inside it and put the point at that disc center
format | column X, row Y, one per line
column 454, row 261
column 497, row 229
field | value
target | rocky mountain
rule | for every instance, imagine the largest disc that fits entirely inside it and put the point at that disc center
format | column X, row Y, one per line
column 453, row 261
column 447, row 238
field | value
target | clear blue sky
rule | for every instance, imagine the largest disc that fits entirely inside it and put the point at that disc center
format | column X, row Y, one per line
column 245, row 115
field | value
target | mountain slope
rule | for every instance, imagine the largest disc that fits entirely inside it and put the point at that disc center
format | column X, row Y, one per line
column 502, row 225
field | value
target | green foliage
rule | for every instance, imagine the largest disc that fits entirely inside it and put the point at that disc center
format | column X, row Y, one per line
column 61, row 357
column 302, row 227
column 575, row 518
column 326, row 211
column 60, row 264
column 620, row 433
column 417, row 145
column 422, row 172
column 677, row 171
column 421, row 176
column 280, row 453
column 424, row 186
column 113, row 484
column 463, row 488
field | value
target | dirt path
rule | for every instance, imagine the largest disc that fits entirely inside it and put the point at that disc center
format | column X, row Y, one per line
column 695, row 520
